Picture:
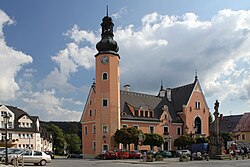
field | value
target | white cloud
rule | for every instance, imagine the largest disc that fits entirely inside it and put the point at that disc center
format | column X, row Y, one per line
column 49, row 107
column 71, row 58
column 122, row 11
column 11, row 62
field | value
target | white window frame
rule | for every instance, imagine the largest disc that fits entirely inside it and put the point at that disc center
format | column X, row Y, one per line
column 107, row 129
column 197, row 105
column 85, row 129
column 150, row 129
column 136, row 126
column 124, row 125
column 105, row 145
column 94, row 129
column 177, row 131
column 103, row 102
column 107, row 76
column 94, row 145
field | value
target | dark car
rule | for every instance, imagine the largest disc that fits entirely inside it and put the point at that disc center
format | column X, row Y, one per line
column 134, row 154
column 108, row 155
column 75, row 156
column 50, row 153
column 163, row 153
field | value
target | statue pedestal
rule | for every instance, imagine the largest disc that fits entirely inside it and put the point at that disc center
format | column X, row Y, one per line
column 216, row 152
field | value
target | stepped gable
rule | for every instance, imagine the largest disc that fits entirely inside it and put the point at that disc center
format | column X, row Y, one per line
column 181, row 95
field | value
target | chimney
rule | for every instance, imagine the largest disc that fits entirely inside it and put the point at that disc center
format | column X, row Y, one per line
column 126, row 87
column 169, row 94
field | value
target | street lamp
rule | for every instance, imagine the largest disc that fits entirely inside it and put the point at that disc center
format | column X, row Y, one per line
column 6, row 121
column 140, row 138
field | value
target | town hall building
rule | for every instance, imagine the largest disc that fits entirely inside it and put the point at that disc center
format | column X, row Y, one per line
column 171, row 113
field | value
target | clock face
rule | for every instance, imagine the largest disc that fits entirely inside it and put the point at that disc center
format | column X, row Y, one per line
column 104, row 60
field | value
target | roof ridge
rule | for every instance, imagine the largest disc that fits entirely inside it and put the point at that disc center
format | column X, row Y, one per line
column 180, row 87
column 139, row 94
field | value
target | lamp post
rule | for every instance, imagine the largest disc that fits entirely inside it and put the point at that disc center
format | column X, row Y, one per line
column 6, row 121
column 140, row 138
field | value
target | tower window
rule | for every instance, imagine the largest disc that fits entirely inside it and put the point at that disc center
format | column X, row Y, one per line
column 104, row 102
column 85, row 130
column 105, row 76
column 166, row 130
column 90, row 113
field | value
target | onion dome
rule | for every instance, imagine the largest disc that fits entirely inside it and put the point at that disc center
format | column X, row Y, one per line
column 107, row 43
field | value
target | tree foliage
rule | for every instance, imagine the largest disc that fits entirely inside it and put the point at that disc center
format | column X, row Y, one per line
column 59, row 142
column 73, row 143
column 184, row 141
column 153, row 139
column 126, row 135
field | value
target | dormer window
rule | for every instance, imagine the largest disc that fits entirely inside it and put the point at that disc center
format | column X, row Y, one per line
column 141, row 113
column 151, row 114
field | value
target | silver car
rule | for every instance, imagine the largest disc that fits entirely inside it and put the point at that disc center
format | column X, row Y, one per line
column 30, row 156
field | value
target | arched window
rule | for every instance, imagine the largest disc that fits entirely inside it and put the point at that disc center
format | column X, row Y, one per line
column 197, row 125
column 104, row 76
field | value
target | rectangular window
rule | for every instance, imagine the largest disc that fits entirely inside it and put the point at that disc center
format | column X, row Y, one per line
column 94, row 129
column 85, row 130
column 19, row 135
column 94, row 145
column 90, row 102
column 94, row 111
column 136, row 126
column 124, row 125
column 151, row 114
column 146, row 113
column 178, row 131
column 136, row 113
column 166, row 130
column 105, row 147
column 141, row 113
column 243, row 137
column 104, row 129
column 104, row 102
column 151, row 129
column 197, row 105
column 90, row 113
column 31, row 135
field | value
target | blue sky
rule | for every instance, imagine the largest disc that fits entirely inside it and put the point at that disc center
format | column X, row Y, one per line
column 47, row 51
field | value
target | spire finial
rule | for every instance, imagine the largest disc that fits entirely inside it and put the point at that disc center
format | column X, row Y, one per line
column 107, row 10
column 196, row 77
column 161, row 85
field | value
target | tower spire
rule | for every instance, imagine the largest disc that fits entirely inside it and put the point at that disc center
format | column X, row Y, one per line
column 161, row 85
column 107, row 43
column 107, row 10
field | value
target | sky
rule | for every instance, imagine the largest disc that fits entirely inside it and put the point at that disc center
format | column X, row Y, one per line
column 47, row 51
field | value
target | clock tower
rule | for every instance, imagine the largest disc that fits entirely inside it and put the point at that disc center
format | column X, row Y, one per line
column 107, row 88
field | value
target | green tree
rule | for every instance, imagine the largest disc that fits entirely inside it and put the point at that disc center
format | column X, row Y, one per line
column 59, row 142
column 201, row 139
column 153, row 139
column 73, row 143
column 184, row 141
column 126, row 135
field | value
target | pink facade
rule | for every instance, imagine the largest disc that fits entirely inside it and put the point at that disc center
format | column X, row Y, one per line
column 171, row 113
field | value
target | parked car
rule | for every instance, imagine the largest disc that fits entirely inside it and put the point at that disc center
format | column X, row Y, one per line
column 122, row 153
column 163, row 153
column 30, row 156
column 134, row 154
column 50, row 153
column 11, row 151
column 108, row 155
column 74, row 156
column 183, row 152
column 173, row 153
